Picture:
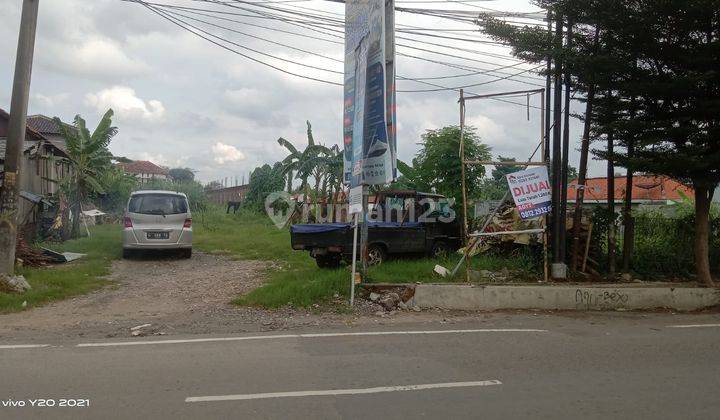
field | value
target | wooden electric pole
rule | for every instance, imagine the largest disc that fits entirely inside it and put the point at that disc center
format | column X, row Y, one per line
column 16, row 137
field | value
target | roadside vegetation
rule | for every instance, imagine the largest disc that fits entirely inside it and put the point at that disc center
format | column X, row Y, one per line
column 55, row 282
column 294, row 278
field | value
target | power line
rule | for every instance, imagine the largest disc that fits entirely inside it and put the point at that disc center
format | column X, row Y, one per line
column 186, row 26
column 475, row 69
column 173, row 20
column 464, row 86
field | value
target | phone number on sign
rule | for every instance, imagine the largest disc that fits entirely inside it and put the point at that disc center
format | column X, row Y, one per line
column 45, row 402
column 538, row 211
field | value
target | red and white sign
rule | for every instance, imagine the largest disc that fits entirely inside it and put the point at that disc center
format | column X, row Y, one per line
column 531, row 191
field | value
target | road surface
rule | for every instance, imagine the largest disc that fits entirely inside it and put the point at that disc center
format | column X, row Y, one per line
column 642, row 367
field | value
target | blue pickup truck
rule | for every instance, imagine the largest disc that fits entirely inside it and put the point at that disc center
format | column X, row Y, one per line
column 418, row 224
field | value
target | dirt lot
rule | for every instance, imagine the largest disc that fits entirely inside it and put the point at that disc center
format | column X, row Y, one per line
column 179, row 296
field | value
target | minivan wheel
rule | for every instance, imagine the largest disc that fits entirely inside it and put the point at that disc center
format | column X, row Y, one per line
column 186, row 253
column 127, row 253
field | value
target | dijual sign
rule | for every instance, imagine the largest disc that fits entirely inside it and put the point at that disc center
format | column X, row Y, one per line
column 531, row 191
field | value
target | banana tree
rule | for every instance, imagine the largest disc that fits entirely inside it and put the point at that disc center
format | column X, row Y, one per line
column 89, row 158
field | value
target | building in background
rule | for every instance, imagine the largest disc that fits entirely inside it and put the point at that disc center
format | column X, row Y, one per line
column 43, row 166
column 223, row 196
column 144, row 170
column 647, row 190
column 49, row 129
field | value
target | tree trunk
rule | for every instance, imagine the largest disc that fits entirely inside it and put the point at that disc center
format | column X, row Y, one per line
column 289, row 182
column 582, row 178
column 629, row 223
column 703, row 197
column 611, row 207
column 75, row 232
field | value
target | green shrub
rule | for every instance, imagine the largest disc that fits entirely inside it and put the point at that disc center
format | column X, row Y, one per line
column 664, row 243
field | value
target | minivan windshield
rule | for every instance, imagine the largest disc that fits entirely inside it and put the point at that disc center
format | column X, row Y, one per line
column 160, row 204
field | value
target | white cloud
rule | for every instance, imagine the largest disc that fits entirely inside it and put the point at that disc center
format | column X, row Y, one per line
column 225, row 153
column 488, row 129
column 126, row 104
column 48, row 101
column 162, row 160
column 95, row 57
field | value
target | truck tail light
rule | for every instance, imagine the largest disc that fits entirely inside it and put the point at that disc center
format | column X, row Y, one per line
column 188, row 223
column 127, row 222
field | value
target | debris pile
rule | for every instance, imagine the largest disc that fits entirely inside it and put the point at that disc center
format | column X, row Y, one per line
column 14, row 284
column 29, row 256
column 390, row 297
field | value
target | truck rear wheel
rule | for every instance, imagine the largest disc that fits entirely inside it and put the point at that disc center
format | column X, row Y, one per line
column 376, row 254
column 327, row 261
column 440, row 249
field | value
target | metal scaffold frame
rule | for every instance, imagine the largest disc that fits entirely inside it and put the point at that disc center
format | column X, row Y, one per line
column 471, row 240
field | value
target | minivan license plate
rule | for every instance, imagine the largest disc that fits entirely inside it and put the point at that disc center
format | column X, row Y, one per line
column 158, row 235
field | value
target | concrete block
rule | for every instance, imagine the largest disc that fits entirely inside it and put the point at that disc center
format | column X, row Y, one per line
column 584, row 298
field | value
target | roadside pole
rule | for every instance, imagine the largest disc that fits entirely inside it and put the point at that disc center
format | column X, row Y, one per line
column 356, row 210
column 558, row 268
column 16, row 136
column 364, row 234
column 354, row 260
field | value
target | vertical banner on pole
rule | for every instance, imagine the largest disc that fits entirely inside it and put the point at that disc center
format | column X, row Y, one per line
column 369, row 100
column 390, row 83
column 369, row 121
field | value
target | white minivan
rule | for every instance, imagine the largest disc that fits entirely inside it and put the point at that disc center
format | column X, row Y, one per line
column 156, row 220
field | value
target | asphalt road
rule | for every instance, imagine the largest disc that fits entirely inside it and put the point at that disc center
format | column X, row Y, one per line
column 517, row 367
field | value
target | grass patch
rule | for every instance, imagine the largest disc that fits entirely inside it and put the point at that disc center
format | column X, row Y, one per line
column 298, row 281
column 57, row 282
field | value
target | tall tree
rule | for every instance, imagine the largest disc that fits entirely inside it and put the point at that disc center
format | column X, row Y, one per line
column 672, row 94
column 437, row 166
column 89, row 157
column 182, row 174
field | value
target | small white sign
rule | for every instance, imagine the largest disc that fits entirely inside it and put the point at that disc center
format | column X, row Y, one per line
column 356, row 197
column 531, row 191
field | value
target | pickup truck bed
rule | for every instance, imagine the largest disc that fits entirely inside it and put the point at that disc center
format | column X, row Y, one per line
column 331, row 243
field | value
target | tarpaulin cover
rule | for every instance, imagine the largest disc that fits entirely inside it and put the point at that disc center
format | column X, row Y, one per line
column 331, row 227
column 394, row 224
column 318, row 228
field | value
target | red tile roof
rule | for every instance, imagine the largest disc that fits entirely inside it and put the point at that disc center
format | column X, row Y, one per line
column 143, row 167
column 43, row 124
column 31, row 133
column 645, row 188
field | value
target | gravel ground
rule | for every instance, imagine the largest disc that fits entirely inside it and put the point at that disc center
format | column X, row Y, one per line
column 178, row 296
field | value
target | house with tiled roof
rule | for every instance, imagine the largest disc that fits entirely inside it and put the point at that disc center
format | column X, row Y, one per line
column 44, row 165
column 49, row 129
column 646, row 190
column 144, row 170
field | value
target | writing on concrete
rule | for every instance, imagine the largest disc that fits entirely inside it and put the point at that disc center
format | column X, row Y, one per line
column 602, row 299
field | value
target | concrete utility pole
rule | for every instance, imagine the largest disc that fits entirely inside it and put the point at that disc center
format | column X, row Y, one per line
column 565, row 149
column 559, row 270
column 16, row 137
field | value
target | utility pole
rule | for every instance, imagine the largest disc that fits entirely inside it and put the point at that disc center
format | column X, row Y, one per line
column 16, row 137
column 548, row 99
column 565, row 150
column 559, row 270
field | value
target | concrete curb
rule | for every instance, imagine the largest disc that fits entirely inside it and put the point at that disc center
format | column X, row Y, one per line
column 578, row 297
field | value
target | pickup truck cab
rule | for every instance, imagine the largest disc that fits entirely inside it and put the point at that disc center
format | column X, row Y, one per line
column 406, row 223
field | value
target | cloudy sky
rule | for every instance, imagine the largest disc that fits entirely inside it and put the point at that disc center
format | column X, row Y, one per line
column 180, row 100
